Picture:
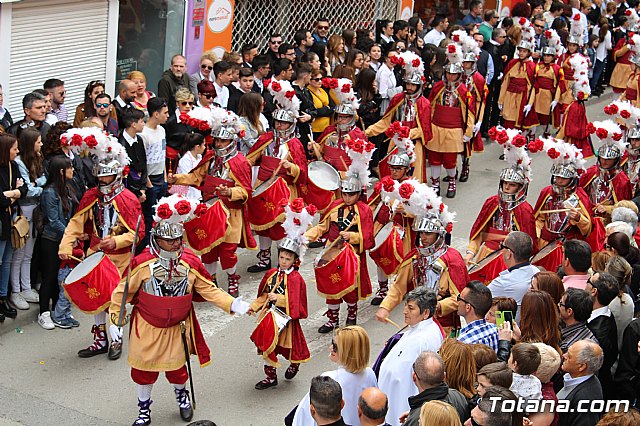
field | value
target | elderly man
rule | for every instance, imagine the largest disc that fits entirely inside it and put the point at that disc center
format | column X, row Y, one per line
column 515, row 281
column 124, row 100
column 174, row 78
column 325, row 401
column 580, row 364
column 473, row 304
column 372, row 407
column 628, row 217
column 429, row 377
column 491, row 19
column 575, row 307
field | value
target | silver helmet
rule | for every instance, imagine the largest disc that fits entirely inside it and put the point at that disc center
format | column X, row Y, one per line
column 453, row 68
column 109, row 168
column 413, row 78
column 285, row 116
column 469, row 57
column 608, row 152
column 515, row 175
column 350, row 185
column 290, row 245
column 346, row 109
column 227, row 134
column 400, row 160
column 168, row 231
column 548, row 50
column 525, row 45
column 633, row 133
column 430, row 223
column 635, row 59
column 575, row 40
column 567, row 171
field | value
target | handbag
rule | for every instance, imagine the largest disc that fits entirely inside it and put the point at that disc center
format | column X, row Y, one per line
column 19, row 226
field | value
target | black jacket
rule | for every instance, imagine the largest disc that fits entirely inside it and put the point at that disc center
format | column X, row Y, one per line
column 6, row 121
column 589, row 390
column 169, row 85
column 78, row 182
column 234, row 98
column 176, row 132
column 442, row 392
column 6, row 208
column 136, row 181
column 604, row 329
column 42, row 127
column 627, row 378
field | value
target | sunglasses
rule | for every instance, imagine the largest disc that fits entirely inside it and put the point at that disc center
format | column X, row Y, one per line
column 102, row 105
column 206, row 67
column 460, row 299
column 275, row 42
column 31, row 123
column 538, row 26
column 334, row 346
column 185, row 103
column 503, row 247
column 323, row 27
column 316, row 79
column 208, row 95
column 400, row 49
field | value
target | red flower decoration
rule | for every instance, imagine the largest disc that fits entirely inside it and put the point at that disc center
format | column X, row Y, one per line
column 616, row 136
column 602, row 133
column 296, row 221
column 576, row 17
column 449, row 228
column 613, row 108
column 591, row 129
column 625, row 114
column 183, row 207
column 164, row 211
column 456, row 38
column 64, row 141
column 522, row 21
column 276, row 87
column 297, row 205
column 330, row 83
column 290, row 94
column 200, row 209
column 553, row 153
column 451, row 48
column 91, row 141
column 125, row 171
column 536, row 146
column 358, row 145
column 627, row 12
column 519, row 141
column 346, row 88
column 369, row 146
column 387, row 183
column 547, row 34
column 502, row 137
column 415, row 63
column 312, row 209
column 493, row 133
column 377, row 187
column 405, row 190
column 441, row 208
column 76, row 140
column 404, row 132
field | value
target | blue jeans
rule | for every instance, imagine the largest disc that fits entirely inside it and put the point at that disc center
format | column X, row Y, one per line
column 7, row 254
column 63, row 307
column 597, row 72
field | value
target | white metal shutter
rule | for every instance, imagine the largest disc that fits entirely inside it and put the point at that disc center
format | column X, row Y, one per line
column 64, row 39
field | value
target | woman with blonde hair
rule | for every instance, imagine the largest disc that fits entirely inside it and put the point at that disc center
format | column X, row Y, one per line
column 350, row 350
column 335, row 51
column 439, row 413
column 622, row 307
column 207, row 60
column 142, row 94
column 460, row 366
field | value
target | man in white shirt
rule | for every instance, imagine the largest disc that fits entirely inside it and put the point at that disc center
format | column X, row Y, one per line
column 575, row 9
column 223, row 72
column 155, row 146
column 436, row 35
column 515, row 281
column 386, row 80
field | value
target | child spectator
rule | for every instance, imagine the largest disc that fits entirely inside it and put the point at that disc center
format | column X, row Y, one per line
column 495, row 374
column 524, row 361
column 194, row 146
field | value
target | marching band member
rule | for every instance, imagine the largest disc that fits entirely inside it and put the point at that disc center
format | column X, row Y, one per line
column 412, row 110
column 431, row 263
column 281, row 156
column 574, row 46
column 164, row 279
column 106, row 216
column 508, row 210
column 563, row 208
column 547, row 85
column 282, row 293
column 623, row 51
column 451, row 121
column 517, row 95
column 632, row 165
column 632, row 91
column 348, row 227
column 223, row 174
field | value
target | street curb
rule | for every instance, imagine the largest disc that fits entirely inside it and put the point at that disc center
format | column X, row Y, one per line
column 24, row 318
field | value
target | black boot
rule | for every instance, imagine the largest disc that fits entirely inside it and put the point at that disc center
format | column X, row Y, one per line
column 383, row 288
column 352, row 314
column 270, row 381
column 464, row 176
column 291, row 371
column 264, row 262
column 144, row 413
column 334, row 317
column 100, row 344
column 6, row 309
column 451, row 191
column 184, row 403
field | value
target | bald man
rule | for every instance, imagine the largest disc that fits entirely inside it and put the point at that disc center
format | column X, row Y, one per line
column 372, row 407
column 124, row 100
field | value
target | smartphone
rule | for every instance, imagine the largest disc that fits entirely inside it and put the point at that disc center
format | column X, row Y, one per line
column 504, row 316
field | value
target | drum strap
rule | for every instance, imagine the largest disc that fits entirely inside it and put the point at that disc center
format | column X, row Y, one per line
column 344, row 223
column 277, row 282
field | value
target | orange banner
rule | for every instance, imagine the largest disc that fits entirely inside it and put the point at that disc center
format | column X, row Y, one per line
column 219, row 25
column 406, row 9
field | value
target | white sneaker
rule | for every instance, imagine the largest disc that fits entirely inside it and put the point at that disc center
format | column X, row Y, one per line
column 30, row 296
column 45, row 321
column 18, row 301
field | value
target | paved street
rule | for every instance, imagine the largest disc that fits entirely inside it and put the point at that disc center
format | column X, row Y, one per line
column 45, row 383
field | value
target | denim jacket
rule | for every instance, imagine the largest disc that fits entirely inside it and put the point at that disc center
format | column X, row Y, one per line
column 34, row 189
column 55, row 220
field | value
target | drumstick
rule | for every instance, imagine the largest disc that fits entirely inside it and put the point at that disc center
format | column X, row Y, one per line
column 333, row 243
column 75, row 258
column 314, row 145
column 555, row 211
column 390, row 321
column 344, row 164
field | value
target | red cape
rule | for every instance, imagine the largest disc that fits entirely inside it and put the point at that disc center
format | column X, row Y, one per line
column 295, row 150
column 522, row 214
column 573, row 231
column 621, row 183
column 624, row 59
column 575, row 123
column 355, row 133
column 424, row 113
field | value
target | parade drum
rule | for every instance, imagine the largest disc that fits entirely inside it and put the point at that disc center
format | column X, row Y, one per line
column 265, row 205
column 550, row 256
column 265, row 336
column 90, row 284
column 337, row 157
column 323, row 180
column 388, row 251
column 336, row 270
column 488, row 268
column 206, row 232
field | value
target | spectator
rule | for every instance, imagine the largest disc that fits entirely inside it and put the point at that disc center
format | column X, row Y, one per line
column 58, row 205
column 619, row 244
column 137, row 180
column 364, row 39
column 54, row 148
column 287, row 51
column 104, row 112
column 375, row 53
column 473, row 304
column 548, row 282
column 283, row 70
column 580, row 364
column 599, row 259
column 521, row 9
column 207, row 92
column 13, row 188
column 372, row 407
column 30, row 165
column 539, row 321
column 51, row 118
column 491, row 19
column 142, row 94
column 501, row 304
column 261, row 70
column 223, row 72
column 350, row 350
column 560, row 25
column 401, row 31
column 475, row 13
column 602, row 30
column 249, row 52
column 193, row 147
column 255, row 125
column 5, row 118
column 207, row 61
column 604, row 288
column 355, row 60
column 175, row 128
column 155, row 146
column 386, row 81
column 549, row 364
column 621, row 307
column 627, row 215
column 86, row 109
column 429, row 377
column 350, row 38
column 325, row 401
column 307, row 109
column 576, row 264
column 514, row 282
column 524, row 361
column 35, row 113
column 498, row 50
column 370, row 100
column 460, row 368
column 55, row 87
column 274, row 42
column 303, row 41
column 621, row 418
column 438, row 413
column 384, row 35
column 335, row 51
column 423, row 334
column 495, row 374
column 323, row 103
column 174, row 78
column 320, row 31
column 575, row 309
column 555, row 11
column 126, row 95
column 483, row 355
column 489, row 412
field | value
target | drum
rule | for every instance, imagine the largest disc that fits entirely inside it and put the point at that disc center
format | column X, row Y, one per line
column 206, row 232
column 336, row 157
column 388, row 251
column 488, row 268
column 336, row 269
column 265, row 336
column 264, row 207
column 90, row 284
column 322, row 181
column 550, row 256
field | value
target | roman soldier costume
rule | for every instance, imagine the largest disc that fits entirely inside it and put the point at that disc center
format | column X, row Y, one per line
column 108, row 214
column 632, row 163
column 165, row 279
column 632, row 91
column 517, row 94
column 624, row 49
column 547, row 87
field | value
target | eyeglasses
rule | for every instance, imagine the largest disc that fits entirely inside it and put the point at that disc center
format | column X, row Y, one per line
column 400, row 49
column 275, row 42
column 185, row 103
column 206, row 67
column 474, row 423
column 323, row 27
column 561, row 305
column 502, row 247
column 460, row 299
column 102, row 105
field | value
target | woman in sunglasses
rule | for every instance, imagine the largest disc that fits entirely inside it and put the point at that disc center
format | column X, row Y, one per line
column 205, row 72
column 176, row 130
column 350, row 350
column 86, row 109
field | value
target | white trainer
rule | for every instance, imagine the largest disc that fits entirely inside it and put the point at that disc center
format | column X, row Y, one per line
column 18, row 301
column 45, row 321
column 30, row 296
